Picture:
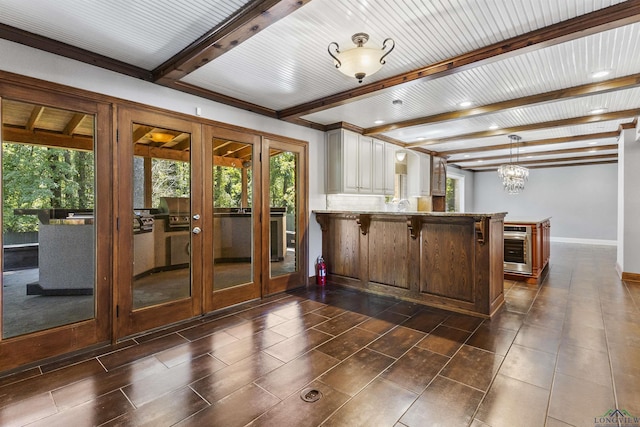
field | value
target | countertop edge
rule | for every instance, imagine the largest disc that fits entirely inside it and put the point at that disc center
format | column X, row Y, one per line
column 440, row 214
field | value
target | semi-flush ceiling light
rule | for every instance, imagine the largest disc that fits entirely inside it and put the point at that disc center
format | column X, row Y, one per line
column 360, row 61
column 160, row 137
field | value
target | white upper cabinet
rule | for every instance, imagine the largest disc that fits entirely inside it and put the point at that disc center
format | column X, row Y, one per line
column 378, row 167
column 349, row 162
column 390, row 168
column 418, row 174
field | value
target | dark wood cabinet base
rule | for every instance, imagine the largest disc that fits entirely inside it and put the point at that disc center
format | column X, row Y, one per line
column 449, row 261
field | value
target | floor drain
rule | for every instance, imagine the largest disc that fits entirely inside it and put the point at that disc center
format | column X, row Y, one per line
column 310, row 395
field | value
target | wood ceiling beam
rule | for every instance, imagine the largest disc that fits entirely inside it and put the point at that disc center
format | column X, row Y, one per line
column 539, row 153
column 601, row 162
column 620, row 83
column 550, row 141
column 58, row 48
column 615, row 115
column 47, row 139
column 536, row 162
column 223, row 99
column 73, row 124
column 36, row 113
column 604, row 19
column 244, row 24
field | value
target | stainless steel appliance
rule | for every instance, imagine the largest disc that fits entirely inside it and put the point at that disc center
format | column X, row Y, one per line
column 142, row 221
column 517, row 249
column 178, row 210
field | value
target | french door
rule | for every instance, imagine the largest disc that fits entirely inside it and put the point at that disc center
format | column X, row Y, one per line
column 208, row 217
column 285, row 199
column 160, row 219
column 233, row 213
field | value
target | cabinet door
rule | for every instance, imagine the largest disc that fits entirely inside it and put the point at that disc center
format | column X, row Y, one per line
column 378, row 167
column 334, row 169
column 365, row 159
column 389, row 169
column 351, row 162
column 425, row 175
column 439, row 177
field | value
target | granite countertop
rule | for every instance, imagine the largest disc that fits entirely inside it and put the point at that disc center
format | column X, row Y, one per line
column 413, row 213
column 525, row 220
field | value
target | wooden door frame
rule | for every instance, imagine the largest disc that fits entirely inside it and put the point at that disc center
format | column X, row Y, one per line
column 126, row 320
column 274, row 285
column 23, row 349
column 215, row 300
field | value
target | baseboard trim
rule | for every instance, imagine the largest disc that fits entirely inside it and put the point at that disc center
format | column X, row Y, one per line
column 630, row 277
column 584, row 241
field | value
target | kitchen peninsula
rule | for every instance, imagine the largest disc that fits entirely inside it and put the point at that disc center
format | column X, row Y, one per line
column 452, row 261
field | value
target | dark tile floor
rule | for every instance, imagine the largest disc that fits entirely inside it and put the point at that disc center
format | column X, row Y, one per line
column 560, row 354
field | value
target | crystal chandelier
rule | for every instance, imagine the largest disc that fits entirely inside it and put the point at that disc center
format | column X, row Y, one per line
column 513, row 175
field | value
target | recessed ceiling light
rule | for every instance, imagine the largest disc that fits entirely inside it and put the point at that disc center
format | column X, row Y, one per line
column 420, row 138
column 480, row 161
column 529, row 157
column 494, row 127
column 598, row 110
column 593, row 143
column 600, row 74
column 466, row 156
column 378, row 122
column 593, row 151
column 465, row 104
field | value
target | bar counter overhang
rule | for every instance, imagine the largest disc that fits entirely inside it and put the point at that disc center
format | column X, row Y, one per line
column 452, row 261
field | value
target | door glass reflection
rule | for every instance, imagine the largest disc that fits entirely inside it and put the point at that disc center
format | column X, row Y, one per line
column 48, row 233
column 232, row 214
column 283, row 202
column 161, row 217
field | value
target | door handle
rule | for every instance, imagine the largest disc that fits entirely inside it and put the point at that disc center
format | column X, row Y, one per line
column 196, row 230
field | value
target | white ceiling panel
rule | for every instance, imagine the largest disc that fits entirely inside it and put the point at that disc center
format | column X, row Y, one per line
column 287, row 64
column 144, row 33
column 545, row 70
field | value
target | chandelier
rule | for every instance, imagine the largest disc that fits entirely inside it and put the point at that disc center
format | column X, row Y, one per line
column 513, row 175
column 360, row 61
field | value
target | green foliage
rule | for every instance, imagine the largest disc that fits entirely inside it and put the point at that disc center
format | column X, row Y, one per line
column 282, row 191
column 227, row 187
column 36, row 177
column 170, row 178
column 451, row 195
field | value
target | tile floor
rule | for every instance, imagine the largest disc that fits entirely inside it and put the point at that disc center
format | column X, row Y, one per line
column 560, row 354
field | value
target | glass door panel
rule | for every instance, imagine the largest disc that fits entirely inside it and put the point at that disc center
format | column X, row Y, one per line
column 232, row 214
column 161, row 223
column 287, row 207
column 232, row 242
column 283, row 201
column 48, row 231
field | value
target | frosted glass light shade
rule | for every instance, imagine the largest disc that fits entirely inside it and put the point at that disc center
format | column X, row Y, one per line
column 360, row 62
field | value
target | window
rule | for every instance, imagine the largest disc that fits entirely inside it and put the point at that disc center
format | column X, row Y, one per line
column 455, row 192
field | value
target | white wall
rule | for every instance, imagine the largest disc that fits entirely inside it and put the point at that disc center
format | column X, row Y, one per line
column 582, row 200
column 42, row 65
column 629, row 229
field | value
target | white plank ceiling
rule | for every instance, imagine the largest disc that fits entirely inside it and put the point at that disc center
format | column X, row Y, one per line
column 281, row 66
